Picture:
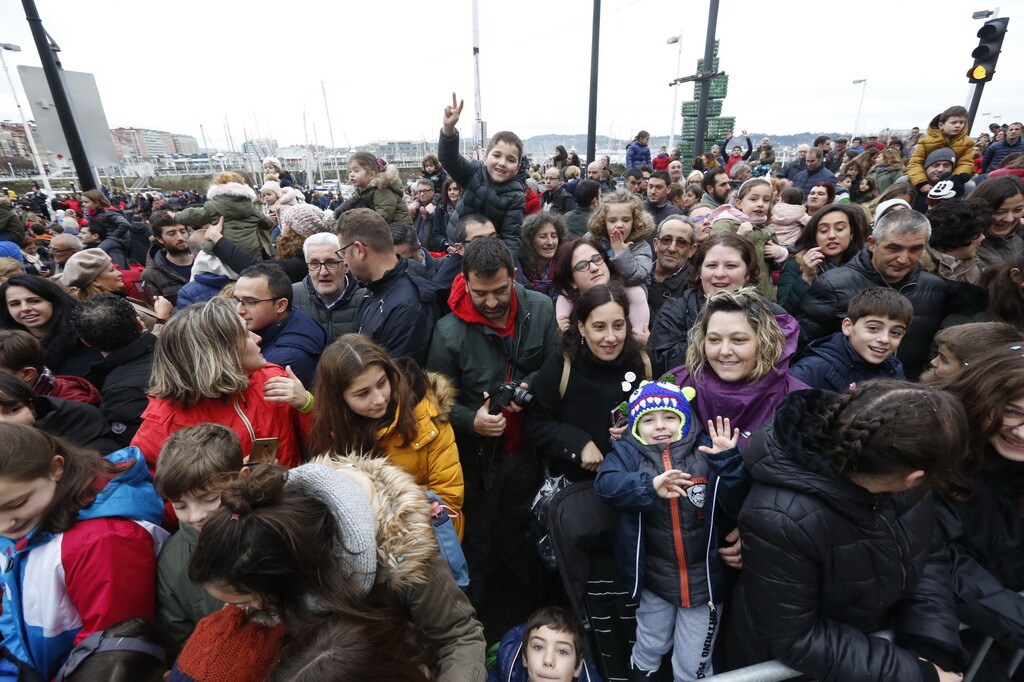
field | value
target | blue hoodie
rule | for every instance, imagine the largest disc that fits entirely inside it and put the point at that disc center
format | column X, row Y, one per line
column 832, row 364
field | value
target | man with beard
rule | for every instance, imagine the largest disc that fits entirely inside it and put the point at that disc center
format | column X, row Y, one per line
column 169, row 262
column 716, row 188
column 498, row 333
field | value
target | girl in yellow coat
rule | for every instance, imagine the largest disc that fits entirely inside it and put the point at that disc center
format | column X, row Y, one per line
column 366, row 403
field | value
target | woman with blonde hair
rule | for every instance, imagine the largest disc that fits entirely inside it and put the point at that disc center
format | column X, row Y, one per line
column 208, row 368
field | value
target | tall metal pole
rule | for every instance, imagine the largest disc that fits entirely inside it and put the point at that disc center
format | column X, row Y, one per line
column 678, row 39
column 51, row 68
column 863, row 89
column 705, row 83
column 595, row 43
column 478, row 126
column 330, row 128
column 24, row 122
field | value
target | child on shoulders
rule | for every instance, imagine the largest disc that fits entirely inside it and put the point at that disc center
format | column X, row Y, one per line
column 947, row 130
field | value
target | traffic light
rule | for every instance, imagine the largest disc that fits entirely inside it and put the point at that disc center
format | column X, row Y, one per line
column 987, row 52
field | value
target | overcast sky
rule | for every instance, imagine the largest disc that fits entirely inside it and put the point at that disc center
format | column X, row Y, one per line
column 390, row 66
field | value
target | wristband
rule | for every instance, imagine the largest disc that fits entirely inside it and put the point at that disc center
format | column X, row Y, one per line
column 309, row 403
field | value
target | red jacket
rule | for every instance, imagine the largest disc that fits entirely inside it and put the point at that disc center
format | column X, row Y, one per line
column 268, row 420
column 532, row 202
column 661, row 162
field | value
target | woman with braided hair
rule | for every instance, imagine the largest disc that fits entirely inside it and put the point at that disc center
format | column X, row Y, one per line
column 840, row 536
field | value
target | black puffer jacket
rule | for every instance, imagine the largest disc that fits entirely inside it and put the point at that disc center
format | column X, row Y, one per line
column 502, row 204
column 123, row 380
column 825, row 563
column 824, row 306
column 398, row 312
column 987, row 541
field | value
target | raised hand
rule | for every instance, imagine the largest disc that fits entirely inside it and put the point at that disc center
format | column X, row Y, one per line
column 671, row 484
column 451, row 115
column 720, row 437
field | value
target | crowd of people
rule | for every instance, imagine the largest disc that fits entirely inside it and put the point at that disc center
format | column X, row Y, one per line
column 261, row 434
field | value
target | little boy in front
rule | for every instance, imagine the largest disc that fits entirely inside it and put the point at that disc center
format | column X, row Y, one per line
column 192, row 466
column 672, row 486
column 876, row 322
column 495, row 188
column 547, row 648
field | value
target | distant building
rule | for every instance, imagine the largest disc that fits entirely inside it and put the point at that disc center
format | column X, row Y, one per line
column 260, row 147
column 13, row 142
column 132, row 144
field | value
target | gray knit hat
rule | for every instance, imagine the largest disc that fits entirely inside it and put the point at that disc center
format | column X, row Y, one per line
column 84, row 267
column 944, row 154
column 356, row 550
column 305, row 219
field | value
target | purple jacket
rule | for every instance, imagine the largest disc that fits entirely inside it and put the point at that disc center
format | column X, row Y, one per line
column 747, row 405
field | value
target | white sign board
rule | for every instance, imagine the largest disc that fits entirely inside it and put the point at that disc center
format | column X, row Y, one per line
column 88, row 110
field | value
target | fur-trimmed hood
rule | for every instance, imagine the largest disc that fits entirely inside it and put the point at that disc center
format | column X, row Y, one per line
column 388, row 179
column 231, row 189
column 405, row 538
column 443, row 392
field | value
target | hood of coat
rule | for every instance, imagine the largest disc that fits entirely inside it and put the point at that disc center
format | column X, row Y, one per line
column 789, row 214
column 388, row 179
column 787, row 453
column 231, row 189
column 401, row 513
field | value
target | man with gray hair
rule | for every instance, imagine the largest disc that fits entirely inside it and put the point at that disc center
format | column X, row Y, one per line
column 890, row 259
column 329, row 293
column 740, row 172
column 790, row 170
column 62, row 247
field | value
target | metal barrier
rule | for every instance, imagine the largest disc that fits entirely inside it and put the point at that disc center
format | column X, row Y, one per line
column 774, row 671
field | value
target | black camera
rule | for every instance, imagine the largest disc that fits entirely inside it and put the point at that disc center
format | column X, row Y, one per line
column 507, row 393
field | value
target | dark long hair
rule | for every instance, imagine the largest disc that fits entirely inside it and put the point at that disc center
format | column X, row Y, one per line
column 891, row 427
column 1005, row 298
column 855, row 215
column 573, row 342
column 277, row 545
column 561, row 278
column 335, row 426
column 61, row 340
column 28, row 455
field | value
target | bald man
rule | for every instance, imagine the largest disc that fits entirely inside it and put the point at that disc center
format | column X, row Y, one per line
column 63, row 247
column 595, row 172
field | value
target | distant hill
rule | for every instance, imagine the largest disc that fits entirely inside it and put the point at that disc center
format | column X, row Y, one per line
column 544, row 145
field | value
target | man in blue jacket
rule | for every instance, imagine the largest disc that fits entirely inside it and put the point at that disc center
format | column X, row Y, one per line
column 997, row 151
column 288, row 336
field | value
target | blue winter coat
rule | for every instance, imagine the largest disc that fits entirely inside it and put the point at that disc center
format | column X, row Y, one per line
column 509, row 666
column 398, row 312
column 204, row 287
column 296, row 340
column 832, row 364
column 651, row 528
column 806, row 179
column 637, row 155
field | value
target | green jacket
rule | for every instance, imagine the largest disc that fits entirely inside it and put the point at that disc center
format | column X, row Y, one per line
column 12, row 229
column 475, row 358
column 758, row 236
column 180, row 603
column 383, row 195
column 245, row 224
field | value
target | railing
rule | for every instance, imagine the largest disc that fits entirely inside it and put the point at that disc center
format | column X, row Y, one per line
column 774, row 671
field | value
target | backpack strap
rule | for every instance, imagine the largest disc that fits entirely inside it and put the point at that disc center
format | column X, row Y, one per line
column 566, row 367
column 648, row 371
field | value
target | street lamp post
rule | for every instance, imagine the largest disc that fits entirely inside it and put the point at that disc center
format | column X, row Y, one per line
column 863, row 82
column 7, row 47
column 675, row 40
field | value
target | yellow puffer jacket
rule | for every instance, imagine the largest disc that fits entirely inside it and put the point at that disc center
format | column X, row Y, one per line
column 962, row 145
column 432, row 458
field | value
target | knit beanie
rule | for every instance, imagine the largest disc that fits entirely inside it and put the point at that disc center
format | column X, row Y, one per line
column 651, row 396
column 357, row 529
column 273, row 187
column 84, row 267
column 305, row 219
column 887, row 206
column 228, row 646
column 944, row 154
column 273, row 160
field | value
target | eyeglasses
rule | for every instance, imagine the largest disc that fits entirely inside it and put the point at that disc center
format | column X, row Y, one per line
column 340, row 253
column 425, row 191
column 669, row 241
column 698, row 219
column 248, row 303
column 53, row 250
column 331, row 265
column 596, row 259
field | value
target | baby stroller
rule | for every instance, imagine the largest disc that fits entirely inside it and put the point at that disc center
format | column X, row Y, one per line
column 582, row 530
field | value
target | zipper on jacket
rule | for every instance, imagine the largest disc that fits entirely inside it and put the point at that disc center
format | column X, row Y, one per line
column 899, row 549
column 677, row 537
column 707, row 553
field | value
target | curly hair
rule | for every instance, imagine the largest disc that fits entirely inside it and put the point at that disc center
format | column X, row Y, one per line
column 643, row 224
column 533, row 224
column 892, row 427
column 759, row 316
column 957, row 223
